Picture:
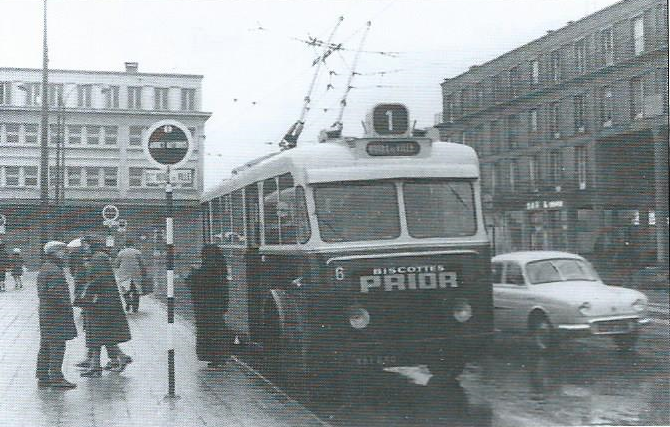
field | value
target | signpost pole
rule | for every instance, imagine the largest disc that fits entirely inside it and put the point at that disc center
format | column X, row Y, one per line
column 169, row 267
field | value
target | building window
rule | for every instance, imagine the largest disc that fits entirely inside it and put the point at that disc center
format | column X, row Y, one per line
column 160, row 98
column 93, row 135
column 30, row 133
column 515, row 82
column 532, row 121
column 55, row 94
column 512, row 131
column 53, row 134
column 5, row 93
column 33, row 91
column 555, row 169
column 135, row 136
column 534, row 72
column 580, row 160
column 662, row 24
column 135, row 177
column 12, row 176
column 606, row 107
column 607, row 46
column 191, row 182
column 188, row 99
column 534, row 172
column 84, row 95
column 111, row 134
column 134, row 98
column 555, row 66
column 53, row 176
column 74, row 134
column 513, row 174
column 497, row 88
column 110, row 176
column 638, row 34
column 73, row 176
column 580, row 111
column 496, row 177
column 449, row 109
column 479, row 95
column 580, row 56
column 12, row 130
column 636, row 98
column 30, row 176
column 554, row 120
column 495, row 135
column 462, row 103
column 92, row 176
column 111, row 94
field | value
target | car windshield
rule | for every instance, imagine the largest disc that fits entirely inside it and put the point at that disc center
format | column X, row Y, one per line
column 560, row 270
column 349, row 212
column 439, row 208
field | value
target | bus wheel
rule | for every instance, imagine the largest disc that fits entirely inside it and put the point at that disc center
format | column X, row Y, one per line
column 273, row 348
column 542, row 332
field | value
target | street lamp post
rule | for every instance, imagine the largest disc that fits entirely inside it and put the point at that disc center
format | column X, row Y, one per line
column 44, row 141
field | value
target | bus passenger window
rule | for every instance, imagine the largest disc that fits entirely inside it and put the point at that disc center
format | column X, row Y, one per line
column 238, row 217
column 252, row 213
column 216, row 220
column 301, row 216
column 285, row 210
column 271, row 228
column 226, row 220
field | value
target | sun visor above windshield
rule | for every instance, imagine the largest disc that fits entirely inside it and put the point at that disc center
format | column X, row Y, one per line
column 359, row 173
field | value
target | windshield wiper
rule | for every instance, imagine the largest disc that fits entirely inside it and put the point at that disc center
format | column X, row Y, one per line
column 458, row 196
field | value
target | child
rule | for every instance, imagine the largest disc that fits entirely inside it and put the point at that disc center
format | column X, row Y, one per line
column 17, row 267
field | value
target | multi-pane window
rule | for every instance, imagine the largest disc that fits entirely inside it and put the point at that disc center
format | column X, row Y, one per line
column 92, row 176
column 533, row 120
column 110, row 176
column 495, row 136
column 85, row 95
column 135, row 176
column 12, row 132
column 607, row 46
column 53, row 134
column 606, row 106
column 188, row 99
column 534, row 171
column 580, row 166
column 160, row 98
column 5, row 93
column 638, row 34
column 512, row 131
column 12, row 176
column 73, row 176
column 55, row 94
column 580, row 56
column 513, row 174
column 555, row 168
column 479, row 95
column 30, row 176
column 636, row 98
column 449, row 109
column 580, row 112
column 515, row 81
column 93, row 135
column 74, row 134
column 135, row 135
column 134, row 97
column 33, row 91
column 554, row 120
column 111, row 94
column 111, row 134
column 30, row 133
column 555, row 66
column 534, row 72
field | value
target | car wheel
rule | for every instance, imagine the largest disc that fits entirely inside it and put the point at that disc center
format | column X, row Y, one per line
column 542, row 333
column 626, row 342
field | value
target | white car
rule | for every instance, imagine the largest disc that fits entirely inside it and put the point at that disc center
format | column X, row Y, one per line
column 555, row 295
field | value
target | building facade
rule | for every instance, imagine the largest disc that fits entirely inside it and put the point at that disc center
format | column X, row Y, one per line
column 572, row 134
column 99, row 119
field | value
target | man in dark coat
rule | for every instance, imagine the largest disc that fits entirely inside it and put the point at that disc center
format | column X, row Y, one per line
column 55, row 317
column 208, row 285
column 4, row 265
column 106, row 323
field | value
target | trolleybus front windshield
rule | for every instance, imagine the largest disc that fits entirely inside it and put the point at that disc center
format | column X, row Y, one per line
column 357, row 211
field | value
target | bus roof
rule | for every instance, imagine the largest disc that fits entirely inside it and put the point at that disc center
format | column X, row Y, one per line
column 347, row 160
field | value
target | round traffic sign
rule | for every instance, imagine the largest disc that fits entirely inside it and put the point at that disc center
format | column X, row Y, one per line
column 168, row 143
column 110, row 213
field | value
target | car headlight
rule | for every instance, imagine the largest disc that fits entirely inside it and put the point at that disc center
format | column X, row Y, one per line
column 639, row 305
column 462, row 311
column 359, row 318
column 585, row 308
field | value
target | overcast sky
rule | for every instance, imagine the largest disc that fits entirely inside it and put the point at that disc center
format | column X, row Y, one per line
column 256, row 72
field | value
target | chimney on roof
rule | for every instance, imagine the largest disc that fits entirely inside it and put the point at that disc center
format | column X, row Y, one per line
column 131, row 67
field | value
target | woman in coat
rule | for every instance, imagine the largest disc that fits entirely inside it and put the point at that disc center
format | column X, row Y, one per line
column 209, row 292
column 17, row 268
column 106, row 323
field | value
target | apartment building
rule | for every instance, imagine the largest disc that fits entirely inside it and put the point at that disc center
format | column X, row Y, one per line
column 99, row 118
column 572, row 134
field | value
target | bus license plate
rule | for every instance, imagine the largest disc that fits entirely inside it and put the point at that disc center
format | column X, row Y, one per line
column 375, row 360
column 613, row 326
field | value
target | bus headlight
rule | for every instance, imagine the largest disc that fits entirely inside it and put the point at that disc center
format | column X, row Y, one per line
column 639, row 305
column 462, row 311
column 359, row 318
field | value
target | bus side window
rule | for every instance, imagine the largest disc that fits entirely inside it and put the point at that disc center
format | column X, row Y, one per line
column 216, row 220
column 286, row 210
column 226, row 219
column 238, row 217
column 301, row 216
column 252, row 213
column 204, row 213
column 271, row 221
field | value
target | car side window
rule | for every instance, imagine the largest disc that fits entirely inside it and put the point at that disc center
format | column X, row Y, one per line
column 496, row 272
column 514, row 276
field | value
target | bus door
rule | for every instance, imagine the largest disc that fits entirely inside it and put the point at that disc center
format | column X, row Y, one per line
column 252, row 258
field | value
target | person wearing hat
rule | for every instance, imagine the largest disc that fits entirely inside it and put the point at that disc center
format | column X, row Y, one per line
column 56, row 318
column 17, row 267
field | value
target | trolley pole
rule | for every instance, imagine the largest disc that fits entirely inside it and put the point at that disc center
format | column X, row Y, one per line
column 169, row 267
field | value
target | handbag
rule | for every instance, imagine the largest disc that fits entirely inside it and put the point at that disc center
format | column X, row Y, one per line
column 85, row 297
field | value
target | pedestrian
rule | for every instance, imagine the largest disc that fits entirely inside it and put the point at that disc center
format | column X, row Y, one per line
column 131, row 274
column 4, row 264
column 55, row 317
column 79, row 254
column 17, row 268
column 106, row 323
column 208, row 285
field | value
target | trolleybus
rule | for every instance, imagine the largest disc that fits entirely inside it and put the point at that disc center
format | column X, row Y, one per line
column 352, row 255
